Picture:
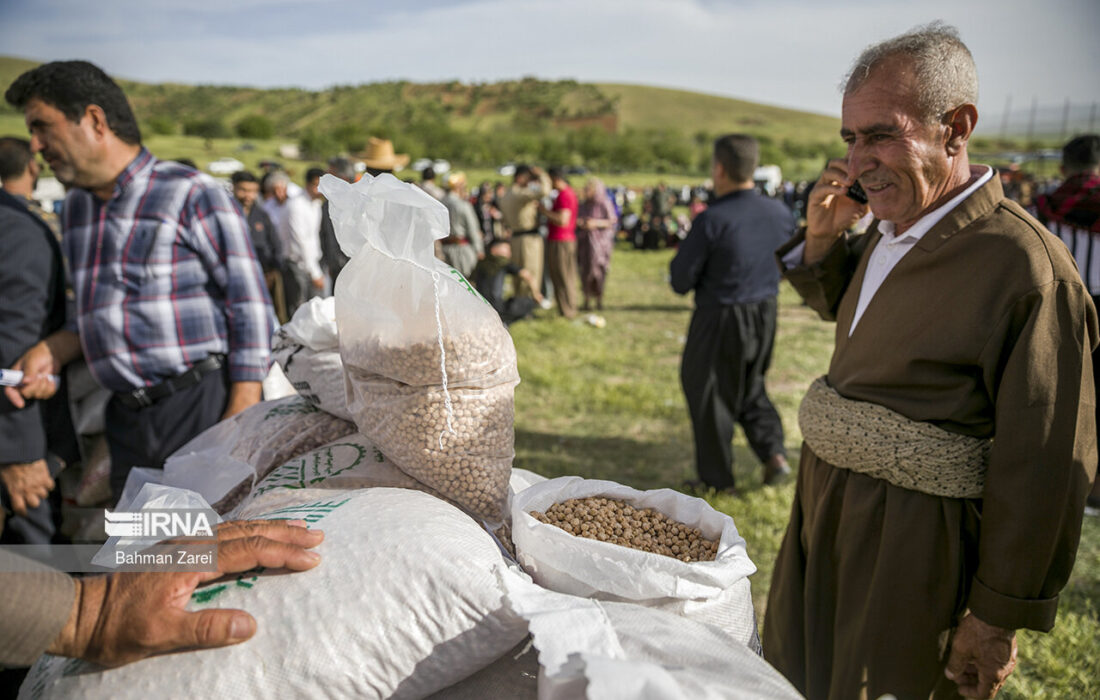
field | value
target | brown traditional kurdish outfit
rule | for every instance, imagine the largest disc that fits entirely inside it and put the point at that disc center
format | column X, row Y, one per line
column 983, row 329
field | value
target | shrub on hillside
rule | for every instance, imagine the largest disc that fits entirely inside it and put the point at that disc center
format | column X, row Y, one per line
column 206, row 128
column 161, row 125
column 255, row 126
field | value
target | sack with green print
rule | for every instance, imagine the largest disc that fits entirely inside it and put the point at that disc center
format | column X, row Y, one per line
column 400, row 607
column 225, row 461
column 349, row 463
column 430, row 370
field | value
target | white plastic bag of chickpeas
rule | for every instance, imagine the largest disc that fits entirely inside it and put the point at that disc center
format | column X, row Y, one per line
column 430, row 370
column 715, row 591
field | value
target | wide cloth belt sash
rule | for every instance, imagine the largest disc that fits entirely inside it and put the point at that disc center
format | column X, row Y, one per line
column 874, row 440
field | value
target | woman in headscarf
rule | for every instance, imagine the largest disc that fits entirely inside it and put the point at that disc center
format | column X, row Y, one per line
column 596, row 222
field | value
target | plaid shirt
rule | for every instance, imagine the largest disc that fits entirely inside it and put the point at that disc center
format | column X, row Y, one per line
column 165, row 275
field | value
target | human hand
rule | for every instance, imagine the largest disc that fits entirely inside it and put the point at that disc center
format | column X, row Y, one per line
column 36, row 364
column 27, row 484
column 982, row 657
column 242, row 395
column 318, row 283
column 829, row 211
column 125, row 617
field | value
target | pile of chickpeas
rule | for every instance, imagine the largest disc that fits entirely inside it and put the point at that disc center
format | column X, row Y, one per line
column 465, row 450
column 618, row 522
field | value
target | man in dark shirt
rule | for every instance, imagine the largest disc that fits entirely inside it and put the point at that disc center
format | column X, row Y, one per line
column 36, row 438
column 728, row 260
column 269, row 249
column 489, row 276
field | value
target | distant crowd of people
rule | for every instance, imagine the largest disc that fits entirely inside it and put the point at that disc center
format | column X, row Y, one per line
column 948, row 453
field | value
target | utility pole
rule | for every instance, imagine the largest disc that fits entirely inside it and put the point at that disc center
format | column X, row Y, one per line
column 1031, row 120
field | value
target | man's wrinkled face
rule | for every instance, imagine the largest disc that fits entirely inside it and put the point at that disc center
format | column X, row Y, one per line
column 246, row 193
column 900, row 160
column 67, row 147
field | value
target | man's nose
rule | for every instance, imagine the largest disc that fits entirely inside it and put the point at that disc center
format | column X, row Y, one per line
column 860, row 161
column 36, row 144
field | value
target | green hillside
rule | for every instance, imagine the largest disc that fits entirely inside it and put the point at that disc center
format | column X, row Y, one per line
column 606, row 127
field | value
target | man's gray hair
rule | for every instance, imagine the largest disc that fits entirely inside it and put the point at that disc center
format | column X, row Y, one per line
column 278, row 178
column 946, row 76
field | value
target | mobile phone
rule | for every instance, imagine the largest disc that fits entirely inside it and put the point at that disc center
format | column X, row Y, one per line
column 856, row 192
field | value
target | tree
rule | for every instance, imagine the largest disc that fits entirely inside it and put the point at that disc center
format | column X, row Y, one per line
column 255, row 126
column 211, row 128
column 161, row 125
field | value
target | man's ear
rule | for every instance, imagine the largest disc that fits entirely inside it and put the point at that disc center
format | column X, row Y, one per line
column 97, row 119
column 960, row 127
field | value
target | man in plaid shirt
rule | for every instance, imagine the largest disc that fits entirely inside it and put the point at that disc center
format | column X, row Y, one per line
column 172, row 314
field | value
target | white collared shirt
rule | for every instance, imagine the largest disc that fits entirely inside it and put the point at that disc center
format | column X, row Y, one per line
column 891, row 248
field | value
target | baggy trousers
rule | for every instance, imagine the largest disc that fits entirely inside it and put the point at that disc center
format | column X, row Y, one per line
column 728, row 350
column 562, row 261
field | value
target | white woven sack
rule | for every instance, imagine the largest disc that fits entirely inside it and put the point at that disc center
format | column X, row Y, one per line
column 307, row 350
column 406, row 601
column 351, row 462
column 716, row 592
column 623, row 651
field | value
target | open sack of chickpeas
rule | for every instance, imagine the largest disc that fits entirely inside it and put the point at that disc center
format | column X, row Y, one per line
column 430, row 370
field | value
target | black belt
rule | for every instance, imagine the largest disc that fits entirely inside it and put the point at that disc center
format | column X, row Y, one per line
column 517, row 234
column 149, row 395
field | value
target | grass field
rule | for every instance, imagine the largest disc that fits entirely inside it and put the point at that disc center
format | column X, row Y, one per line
column 606, row 404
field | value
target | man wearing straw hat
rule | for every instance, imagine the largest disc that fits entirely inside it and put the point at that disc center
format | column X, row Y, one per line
column 949, row 450
column 380, row 157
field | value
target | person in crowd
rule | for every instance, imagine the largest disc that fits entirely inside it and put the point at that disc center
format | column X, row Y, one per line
column 36, row 439
column 1072, row 212
column 561, row 243
column 299, row 227
column 379, row 157
column 332, row 258
column 489, row 277
column 727, row 261
column 463, row 247
column 519, row 208
column 949, row 450
column 428, row 183
column 171, row 310
column 596, row 225
column 696, row 205
column 123, row 617
column 487, row 212
column 265, row 239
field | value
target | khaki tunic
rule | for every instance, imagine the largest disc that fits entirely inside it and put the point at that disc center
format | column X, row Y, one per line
column 985, row 329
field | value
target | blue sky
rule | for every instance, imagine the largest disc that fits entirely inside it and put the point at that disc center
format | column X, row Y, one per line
column 784, row 52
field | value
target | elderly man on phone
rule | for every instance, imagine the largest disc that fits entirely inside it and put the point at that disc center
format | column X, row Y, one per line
column 949, row 449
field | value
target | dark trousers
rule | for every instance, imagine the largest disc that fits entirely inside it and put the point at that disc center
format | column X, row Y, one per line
column 728, row 350
column 145, row 437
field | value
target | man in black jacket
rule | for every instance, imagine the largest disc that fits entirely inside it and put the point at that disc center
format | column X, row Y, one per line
column 32, row 306
column 727, row 259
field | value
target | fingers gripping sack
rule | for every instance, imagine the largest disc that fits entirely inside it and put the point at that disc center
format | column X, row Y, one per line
column 430, row 370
